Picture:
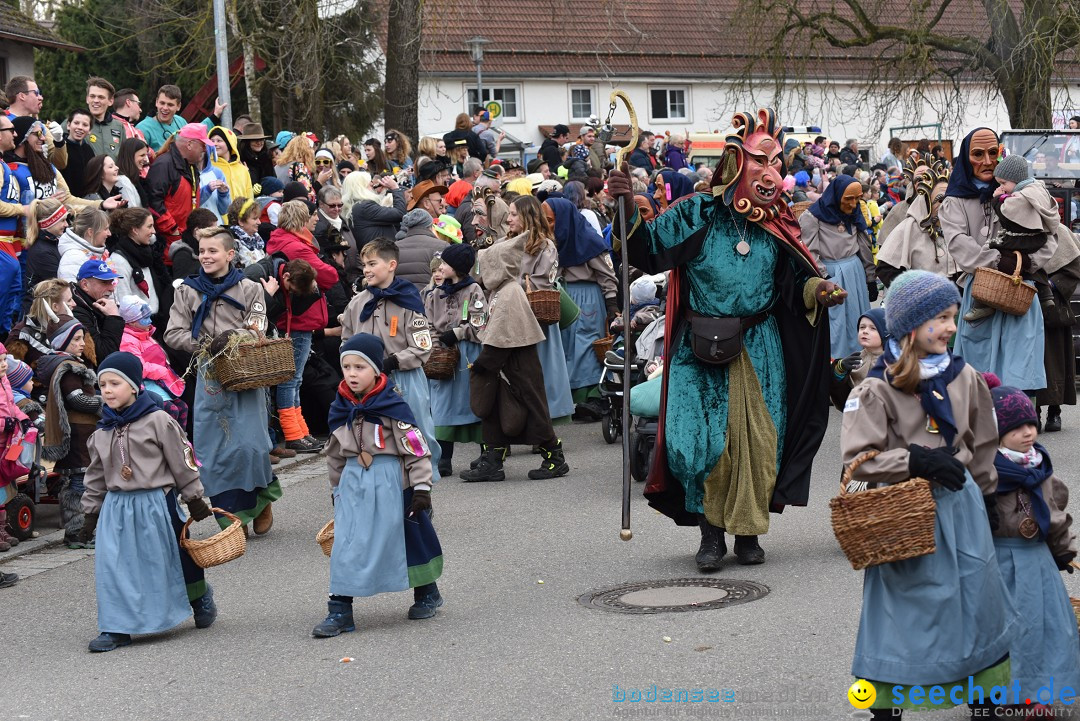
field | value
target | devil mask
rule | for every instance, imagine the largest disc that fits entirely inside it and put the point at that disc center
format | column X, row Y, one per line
column 751, row 174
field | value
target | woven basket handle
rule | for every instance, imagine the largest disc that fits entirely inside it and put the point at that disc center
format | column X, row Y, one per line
column 1016, row 273
column 528, row 284
column 849, row 470
column 190, row 520
column 1074, row 564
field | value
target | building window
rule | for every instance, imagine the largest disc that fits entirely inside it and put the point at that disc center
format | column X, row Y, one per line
column 581, row 103
column 507, row 97
column 669, row 104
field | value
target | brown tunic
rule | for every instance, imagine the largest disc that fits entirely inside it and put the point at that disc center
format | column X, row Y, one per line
column 223, row 316
column 1062, row 539
column 394, row 438
column 405, row 333
column 464, row 311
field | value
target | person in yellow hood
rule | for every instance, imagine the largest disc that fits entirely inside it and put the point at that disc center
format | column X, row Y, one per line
column 228, row 162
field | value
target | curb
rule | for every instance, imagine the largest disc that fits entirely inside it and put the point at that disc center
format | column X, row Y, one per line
column 56, row 538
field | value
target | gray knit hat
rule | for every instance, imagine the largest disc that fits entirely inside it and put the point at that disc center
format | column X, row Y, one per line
column 915, row 297
column 1012, row 168
column 413, row 219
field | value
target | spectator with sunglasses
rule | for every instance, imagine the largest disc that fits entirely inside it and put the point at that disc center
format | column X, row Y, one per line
column 325, row 173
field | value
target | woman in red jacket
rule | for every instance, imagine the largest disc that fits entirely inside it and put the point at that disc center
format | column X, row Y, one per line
column 292, row 239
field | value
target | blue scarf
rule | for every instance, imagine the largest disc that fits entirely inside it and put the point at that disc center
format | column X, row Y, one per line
column 144, row 403
column 449, row 289
column 962, row 181
column 212, row 290
column 1012, row 477
column 577, row 241
column 400, row 291
column 933, row 392
column 382, row 401
column 827, row 207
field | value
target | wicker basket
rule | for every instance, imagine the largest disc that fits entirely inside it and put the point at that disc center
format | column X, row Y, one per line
column 602, row 346
column 442, row 363
column 800, row 208
column 266, row 362
column 882, row 525
column 1007, row 293
column 220, row 548
column 545, row 304
column 325, row 537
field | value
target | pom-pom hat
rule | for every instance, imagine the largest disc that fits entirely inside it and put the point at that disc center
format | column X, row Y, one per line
column 915, row 297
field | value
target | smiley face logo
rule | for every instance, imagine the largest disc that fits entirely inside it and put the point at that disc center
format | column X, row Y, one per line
column 861, row 694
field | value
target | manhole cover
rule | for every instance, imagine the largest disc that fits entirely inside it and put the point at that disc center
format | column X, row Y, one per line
column 676, row 594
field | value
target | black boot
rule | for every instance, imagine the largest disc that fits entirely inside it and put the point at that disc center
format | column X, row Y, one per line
column 713, row 547
column 1053, row 419
column 204, row 609
column 476, row 461
column 490, row 467
column 426, row 599
column 553, row 464
column 446, row 463
column 747, row 551
column 339, row 620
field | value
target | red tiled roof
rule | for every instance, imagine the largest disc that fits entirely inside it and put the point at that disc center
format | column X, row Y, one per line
column 690, row 38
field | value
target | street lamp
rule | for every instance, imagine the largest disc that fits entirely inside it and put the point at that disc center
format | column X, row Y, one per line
column 476, row 50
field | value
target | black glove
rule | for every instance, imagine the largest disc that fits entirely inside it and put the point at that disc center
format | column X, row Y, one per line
column 872, row 290
column 1064, row 560
column 9, row 424
column 938, row 465
column 198, row 509
column 390, row 364
column 421, row 501
column 448, row 338
column 992, row 511
column 612, row 310
column 89, row 526
column 844, row 366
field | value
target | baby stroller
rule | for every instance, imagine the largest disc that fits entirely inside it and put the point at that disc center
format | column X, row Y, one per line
column 38, row 486
column 611, row 391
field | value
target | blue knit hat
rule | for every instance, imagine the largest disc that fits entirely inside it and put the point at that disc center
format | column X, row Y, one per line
column 269, row 185
column 915, row 297
column 368, row 347
column 877, row 317
column 124, row 364
column 1013, row 409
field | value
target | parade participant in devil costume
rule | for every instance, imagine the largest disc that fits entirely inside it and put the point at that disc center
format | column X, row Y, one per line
column 747, row 344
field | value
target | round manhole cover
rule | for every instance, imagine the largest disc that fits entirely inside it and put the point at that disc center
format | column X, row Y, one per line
column 676, row 594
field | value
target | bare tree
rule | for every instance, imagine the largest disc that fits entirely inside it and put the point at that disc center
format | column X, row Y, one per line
column 402, row 86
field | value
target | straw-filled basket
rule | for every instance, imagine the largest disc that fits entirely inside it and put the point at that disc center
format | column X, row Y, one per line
column 800, row 208
column 442, row 363
column 325, row 537
column 1007, row 293
column 263, row 363
column 545, row 304
column 222, row 547
column 602, row 346
column 886, row 524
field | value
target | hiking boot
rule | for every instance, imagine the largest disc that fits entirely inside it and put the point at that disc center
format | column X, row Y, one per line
column 1053, row 419
column 978, row 313
column 713, row 547
column 204, row 609
column 427, row 598
column 282, row 452
column 748, row 552
column 303, row 445
column 109, row 642
column 264, row 521
column 483, row 449
column 552, row 464
column 8, row 579
column 446, row 467
column 274, row 460
column 5, row 536
column 339, row 620
column 4, row 546
column 490, row 467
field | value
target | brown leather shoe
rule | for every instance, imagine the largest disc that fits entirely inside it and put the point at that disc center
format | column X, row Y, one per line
column 274, row 460
column 282, row 452
column 263, row 521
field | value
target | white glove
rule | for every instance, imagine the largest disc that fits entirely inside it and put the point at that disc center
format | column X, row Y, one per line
column 55, row 130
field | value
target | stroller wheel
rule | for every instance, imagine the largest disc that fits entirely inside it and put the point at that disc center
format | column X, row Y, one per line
column 610, row 425
column 21, row 517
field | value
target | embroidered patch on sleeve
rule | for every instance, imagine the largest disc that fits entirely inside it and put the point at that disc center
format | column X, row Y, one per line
column 422, row 339
column 414, row 442
column 851, row 405
column 419, row 322
column 189, row 458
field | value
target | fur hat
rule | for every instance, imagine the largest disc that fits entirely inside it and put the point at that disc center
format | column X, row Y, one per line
column 1013, row 169
column 369, row 348
column 915, row 297
column 461, row 257
column 124, row 364
column 1013, row 409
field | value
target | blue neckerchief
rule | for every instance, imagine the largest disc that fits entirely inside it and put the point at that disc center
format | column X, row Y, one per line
column 382, row 401
column 933, row 392
column 144, row 403
column 449, row 290
column 400, row 291
column 962, row 181
column 577, row 241
column 1012, row 476
column 210, row 292
column 827, row 207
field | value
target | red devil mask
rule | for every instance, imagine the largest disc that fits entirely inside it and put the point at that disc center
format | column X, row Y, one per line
column 751, row 173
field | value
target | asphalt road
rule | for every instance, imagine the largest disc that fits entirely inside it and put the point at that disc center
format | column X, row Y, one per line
column 505, row 645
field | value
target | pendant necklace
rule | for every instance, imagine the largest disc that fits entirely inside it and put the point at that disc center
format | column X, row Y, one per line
column 125, row 469
column 1028, row 527
column 742, row 247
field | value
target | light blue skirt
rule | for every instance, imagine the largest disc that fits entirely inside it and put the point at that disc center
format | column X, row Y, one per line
column 140, row 584
column 850, row 275
column 376, row 548
column 556, row 379
column 581, row 364
column 1009, row 346
column 1046, row 650
column 231, row 438
column 414, row 388
column 450, row 398
column 941, row 617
